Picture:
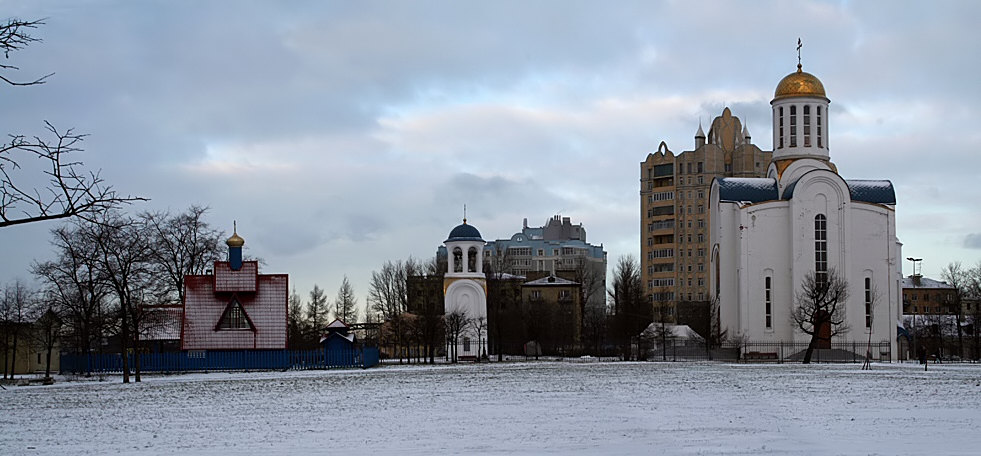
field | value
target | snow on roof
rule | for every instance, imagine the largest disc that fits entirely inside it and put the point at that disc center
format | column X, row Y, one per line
column 747, row 189
column 676, row 331
column 924, row 282
column 872, row 191
column 337, row 323
column 348, row 337
column 163, row 323
column 551, row 281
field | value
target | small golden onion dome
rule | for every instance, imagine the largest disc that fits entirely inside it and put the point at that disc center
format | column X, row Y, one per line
column 235, row 241
column 799, row 84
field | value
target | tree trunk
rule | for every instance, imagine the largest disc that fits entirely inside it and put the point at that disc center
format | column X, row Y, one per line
column 124, row 341
column 13, row 357
column 810, row 348
column 47, row 362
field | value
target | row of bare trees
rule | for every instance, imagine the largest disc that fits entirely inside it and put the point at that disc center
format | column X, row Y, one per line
column 111, row 277
column 964, row 307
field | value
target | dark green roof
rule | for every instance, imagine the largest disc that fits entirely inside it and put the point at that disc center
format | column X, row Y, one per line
column 747, row 189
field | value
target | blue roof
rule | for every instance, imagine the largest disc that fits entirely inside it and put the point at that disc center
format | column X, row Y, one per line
column 749, row 189
column 872, row 191
column 464, row 232
column 867, row 191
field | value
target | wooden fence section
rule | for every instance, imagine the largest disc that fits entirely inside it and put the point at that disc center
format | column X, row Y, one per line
column 202, row 360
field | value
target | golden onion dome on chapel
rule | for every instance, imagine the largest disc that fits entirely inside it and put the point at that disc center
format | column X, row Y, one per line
column 799, row 84
column 235, row 240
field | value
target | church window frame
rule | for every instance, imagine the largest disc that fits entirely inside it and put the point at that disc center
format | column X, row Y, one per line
column 820, row 249
column 793, row 126
column 818, row 124
column 234, row 318
column 768, row 301
column 868, row 303
column 807, row 126
column 780, row 127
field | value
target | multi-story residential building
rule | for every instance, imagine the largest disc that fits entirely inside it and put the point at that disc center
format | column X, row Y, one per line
column 558, row 246
column 926, row 296
column 674, row 209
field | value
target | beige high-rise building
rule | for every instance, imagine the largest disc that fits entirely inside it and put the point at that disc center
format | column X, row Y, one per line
column 674, row 192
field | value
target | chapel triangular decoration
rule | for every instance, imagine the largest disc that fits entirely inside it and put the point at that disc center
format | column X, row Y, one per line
column 234, row 317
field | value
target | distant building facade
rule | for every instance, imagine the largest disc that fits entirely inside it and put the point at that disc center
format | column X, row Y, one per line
column 926, row 296
column 235, row 307
column 558, row 247
column 674, row 210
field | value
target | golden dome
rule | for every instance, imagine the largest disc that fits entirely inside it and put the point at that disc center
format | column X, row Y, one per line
column 799, row 84
column 235, row 240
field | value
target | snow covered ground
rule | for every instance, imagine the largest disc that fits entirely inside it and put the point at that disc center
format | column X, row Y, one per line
column 509, row 408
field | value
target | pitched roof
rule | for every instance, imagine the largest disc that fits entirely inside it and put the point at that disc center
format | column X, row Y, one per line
column 551, row 281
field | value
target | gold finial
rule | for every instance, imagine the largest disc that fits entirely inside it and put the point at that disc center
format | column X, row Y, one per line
column 235, row 240
column 799, row 45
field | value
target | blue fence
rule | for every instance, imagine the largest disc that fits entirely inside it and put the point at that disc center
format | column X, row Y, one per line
column 201, row 360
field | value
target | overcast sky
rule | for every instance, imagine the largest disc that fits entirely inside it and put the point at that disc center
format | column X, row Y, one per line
column 343, row 134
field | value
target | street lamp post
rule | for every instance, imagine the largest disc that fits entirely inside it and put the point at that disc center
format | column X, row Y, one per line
column 914, row 278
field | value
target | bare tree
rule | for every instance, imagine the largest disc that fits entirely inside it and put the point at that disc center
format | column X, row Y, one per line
column 75, row 282
column 388, row 294
column 70, row 191
column 122, row 249
column 820, row 309
column 871, row 299
column 973, row 294
column 632, row 312
column 456, row 322
column 957, row 277
column 345, row 307
column 184, row 244
column 47, row 332
column 478, row 326
column 15, row 312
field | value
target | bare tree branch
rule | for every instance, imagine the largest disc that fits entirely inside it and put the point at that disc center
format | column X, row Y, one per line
column 14, row 36
column 70, row 191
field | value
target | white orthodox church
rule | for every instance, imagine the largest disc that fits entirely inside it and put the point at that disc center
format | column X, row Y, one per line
column 465, row 288
column 768, row 233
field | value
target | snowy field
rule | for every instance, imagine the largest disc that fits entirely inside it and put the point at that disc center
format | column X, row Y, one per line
column 511, row 408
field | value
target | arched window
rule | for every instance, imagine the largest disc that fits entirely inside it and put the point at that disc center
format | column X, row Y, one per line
column 472, row 260
column 807, row 126
column 457, row 260
column 780, row 117
column 868, row 302
column 820, row 249
column 793, row 126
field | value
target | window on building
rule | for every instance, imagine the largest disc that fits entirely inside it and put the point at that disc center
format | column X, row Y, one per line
column 701, row 223
column 700, row 169
column 820, row 248
column 565, row 295
column 701, row 209
column 728, row 167
column 536, row 294
column 701, row 194
column 793, row 126
column 700, row 180
column 780, row 128
column 701, row 252
column 768, row 301
column 234, row 317
column 807, row 126
column 701, row 237
column 701, row 267
column 868, row 302
column 819, row 125
column 689, row 167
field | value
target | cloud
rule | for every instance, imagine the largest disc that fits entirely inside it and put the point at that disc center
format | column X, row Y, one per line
column 972, row 241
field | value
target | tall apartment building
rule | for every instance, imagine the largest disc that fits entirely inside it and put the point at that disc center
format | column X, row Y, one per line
column 674, row 192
